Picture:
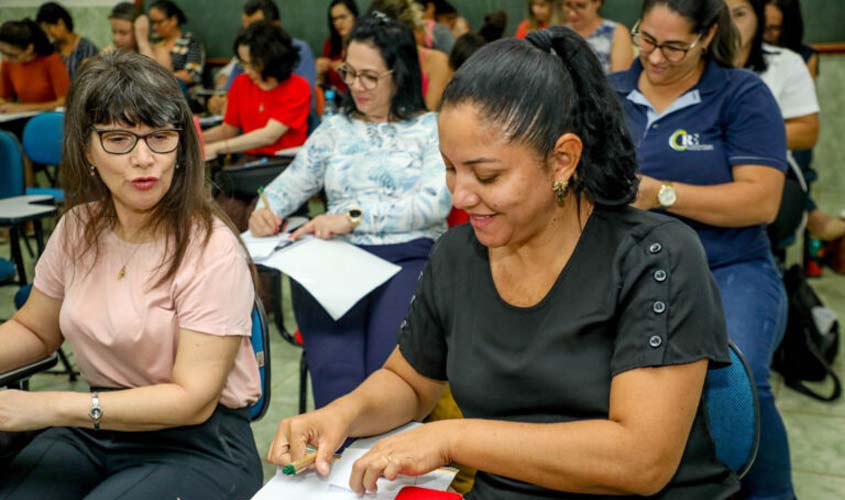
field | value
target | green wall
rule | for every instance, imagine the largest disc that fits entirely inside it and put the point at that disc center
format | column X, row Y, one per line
column 216, row 22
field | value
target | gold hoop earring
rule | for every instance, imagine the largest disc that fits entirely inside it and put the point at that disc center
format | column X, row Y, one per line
column 559, row 188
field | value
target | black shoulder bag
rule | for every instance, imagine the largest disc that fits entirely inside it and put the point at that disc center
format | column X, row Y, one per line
column 807, row 352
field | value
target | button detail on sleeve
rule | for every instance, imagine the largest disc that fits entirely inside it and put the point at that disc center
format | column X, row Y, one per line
column 655, row 341
column 659, row 307
column 660, row 276
column 655, row 247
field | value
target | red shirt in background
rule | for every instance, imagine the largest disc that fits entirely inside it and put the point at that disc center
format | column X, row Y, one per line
column 333, row 77
column 250, row 108
column 43, row 79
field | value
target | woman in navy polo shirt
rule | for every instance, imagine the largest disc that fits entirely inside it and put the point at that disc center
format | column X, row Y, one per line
column 711, row 147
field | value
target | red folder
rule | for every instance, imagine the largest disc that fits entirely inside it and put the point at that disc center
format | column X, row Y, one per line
column 417, row 493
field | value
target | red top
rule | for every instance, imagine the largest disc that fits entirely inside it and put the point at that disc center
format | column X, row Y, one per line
column 43, row 79
column 332, row 76
column 525, row 27
column 250, row 108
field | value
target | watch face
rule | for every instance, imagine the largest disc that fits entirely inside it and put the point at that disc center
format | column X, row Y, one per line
column 355, row 213
column 96, row 413
column 666, row 196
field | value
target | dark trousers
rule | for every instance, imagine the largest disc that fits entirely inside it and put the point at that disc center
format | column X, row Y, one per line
column 342, row 353
column 214, row 460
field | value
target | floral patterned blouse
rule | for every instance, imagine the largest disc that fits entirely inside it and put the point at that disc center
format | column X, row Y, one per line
column 392, row 171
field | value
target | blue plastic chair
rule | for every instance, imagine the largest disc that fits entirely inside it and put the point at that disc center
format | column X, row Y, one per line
column 11, row 170
column 733, row 413
column 43, row 135
column 260, row 339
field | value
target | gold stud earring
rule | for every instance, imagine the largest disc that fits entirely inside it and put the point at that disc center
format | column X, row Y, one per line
column 559, row 188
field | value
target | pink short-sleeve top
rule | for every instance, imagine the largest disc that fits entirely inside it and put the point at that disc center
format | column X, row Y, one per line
column 125, row 332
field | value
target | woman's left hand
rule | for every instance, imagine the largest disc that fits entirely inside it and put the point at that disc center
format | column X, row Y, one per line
column 647, row 195
column 210, row 152
column 325, row 227
column 23, row 411
column 411, row 453
column 12, row 107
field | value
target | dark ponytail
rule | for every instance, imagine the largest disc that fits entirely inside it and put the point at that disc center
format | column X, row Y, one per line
column 21, row 34
column 540, row 88
column 703, row 14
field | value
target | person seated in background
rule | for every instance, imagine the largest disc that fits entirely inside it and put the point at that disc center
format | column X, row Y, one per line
column 33, row 76
column 434, row 35
column 465, row 46
column 174, row 49
column 149, row 283
column 587, row 390
column 342, row 15
column 446, row 14
column 57, row 23
column 255, row 11
column 785, row 28
column 434, row 63
column 711, row 146
column 379, row 163
column 268, row 103
column 494, row 25
column 122, row 19
column 611, row 41
column 541, row 14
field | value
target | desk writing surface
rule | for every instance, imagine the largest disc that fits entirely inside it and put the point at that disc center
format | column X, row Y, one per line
column 19, row 207
column 8, row 117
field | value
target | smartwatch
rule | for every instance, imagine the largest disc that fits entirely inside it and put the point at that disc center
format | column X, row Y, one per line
column 96, row 411
column 354, row 216
column 667, row 196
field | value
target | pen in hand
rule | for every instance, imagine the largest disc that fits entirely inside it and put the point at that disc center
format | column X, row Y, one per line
column 300, row 465
column 281, row 226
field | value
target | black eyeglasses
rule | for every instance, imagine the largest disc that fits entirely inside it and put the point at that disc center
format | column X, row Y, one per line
column 672, row 51
column 121, row 142
column 369, row 80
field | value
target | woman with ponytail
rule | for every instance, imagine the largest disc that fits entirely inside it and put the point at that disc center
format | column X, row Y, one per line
column 574, row 330
column 711, row 145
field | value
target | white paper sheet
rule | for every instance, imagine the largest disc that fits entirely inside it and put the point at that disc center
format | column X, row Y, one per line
column 311, row 485
column 336, row 273
column 261, row 247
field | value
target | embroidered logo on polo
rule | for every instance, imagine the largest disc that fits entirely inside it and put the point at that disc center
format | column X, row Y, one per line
column 680, row 140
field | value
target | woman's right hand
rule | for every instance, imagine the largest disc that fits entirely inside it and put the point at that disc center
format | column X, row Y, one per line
column 263, row 222
column 323, row 429
column 323, row 64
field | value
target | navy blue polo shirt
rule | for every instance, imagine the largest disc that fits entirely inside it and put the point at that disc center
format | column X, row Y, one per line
column 728, row 118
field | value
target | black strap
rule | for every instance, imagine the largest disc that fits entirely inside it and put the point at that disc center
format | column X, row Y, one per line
column 798, row 385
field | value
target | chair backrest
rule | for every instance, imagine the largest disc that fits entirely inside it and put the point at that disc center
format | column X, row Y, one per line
column 43, row 136
column 260, row 339
column 242, row 182
column 11, row 166
column 733, row 413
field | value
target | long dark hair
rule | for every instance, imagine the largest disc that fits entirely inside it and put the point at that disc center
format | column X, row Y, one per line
column 792, row 27
column 704, row 14
column 335, row 40
column 398, row 48
column 542, row 87
column 22, row 33
column 131, row 89
column 756, row 58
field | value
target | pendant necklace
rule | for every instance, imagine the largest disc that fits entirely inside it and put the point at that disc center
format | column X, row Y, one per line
column 122, row 272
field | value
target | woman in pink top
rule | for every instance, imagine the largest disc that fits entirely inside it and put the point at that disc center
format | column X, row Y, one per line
column 147, row 281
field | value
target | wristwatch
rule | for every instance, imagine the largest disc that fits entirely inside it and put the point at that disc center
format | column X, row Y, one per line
column 354, row 216
column 667, row 196
column 96, row 411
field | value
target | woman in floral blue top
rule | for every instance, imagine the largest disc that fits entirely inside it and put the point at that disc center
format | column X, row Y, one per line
column 380, row 165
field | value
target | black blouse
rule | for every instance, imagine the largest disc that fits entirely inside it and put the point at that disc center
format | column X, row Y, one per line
column 636, row 292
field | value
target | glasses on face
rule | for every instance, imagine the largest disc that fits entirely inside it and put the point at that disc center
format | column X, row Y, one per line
column 674, row 52
column 369, row 80
column 14, row 56
column 121, row 142
column 156, row 22
column 576, row 5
